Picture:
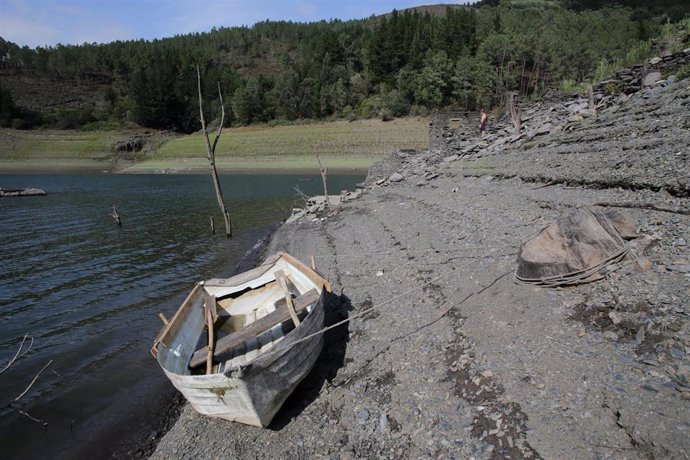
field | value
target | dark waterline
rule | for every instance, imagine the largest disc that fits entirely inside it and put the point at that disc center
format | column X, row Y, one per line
column 89, row 293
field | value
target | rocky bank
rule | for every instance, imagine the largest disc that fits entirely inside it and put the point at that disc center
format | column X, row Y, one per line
column 456, row 360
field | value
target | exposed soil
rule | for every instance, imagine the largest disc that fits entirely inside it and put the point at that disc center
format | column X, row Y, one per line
column 459, row 361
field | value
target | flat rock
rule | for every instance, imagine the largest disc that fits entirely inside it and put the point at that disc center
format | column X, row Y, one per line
column 651, row 78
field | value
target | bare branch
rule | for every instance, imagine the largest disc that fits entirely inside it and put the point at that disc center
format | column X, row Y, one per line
column 222, row 119
column 33, row 381
column 32, row 418
column 301, row 195
column 324, row 179
column 16, row 355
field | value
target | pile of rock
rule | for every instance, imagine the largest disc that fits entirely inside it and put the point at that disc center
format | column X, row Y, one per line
column 633, row 79
column 315, row 206
column 555, row 113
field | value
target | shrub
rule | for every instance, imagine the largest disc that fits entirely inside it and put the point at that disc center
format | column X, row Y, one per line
column 385, row 114
column 370, row 107
column 569, row 86
column 614, row 88
column 103, row 125
column 419, row 111
column 683, row 72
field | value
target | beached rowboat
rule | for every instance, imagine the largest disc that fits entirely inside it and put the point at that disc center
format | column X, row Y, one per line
column 254, row 318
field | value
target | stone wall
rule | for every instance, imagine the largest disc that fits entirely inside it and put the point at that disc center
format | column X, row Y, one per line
column 632, row 79
column 444, row 124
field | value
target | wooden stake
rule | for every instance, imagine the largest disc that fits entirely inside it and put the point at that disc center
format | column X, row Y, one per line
column 213, row 226
column 163, row 318
column 313, row 263
column 515, row 114
column 116, row 217
column 324, row 179
column 590, row 94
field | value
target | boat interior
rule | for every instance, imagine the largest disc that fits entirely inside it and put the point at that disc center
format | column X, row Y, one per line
column 250, row 314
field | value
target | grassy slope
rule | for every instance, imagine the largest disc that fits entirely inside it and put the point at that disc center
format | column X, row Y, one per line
column 342, row 145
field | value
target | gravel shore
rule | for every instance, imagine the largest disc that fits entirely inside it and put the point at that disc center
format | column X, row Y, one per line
column 456, row 360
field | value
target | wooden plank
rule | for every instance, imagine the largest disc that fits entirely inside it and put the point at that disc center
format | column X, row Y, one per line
column 209, row 326
column 163, row 318
column 211, row 315
column 171, row 328
column 259, row 326
column 282, row 280
column 211, row 307
column 315, row 277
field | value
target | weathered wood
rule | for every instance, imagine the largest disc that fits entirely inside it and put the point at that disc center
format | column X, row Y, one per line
column 254, row 329
column 313, row 263
column 590, row 96
column 211, row 153
column 116, row 217
column 282, row 280
column 515, row 114
column 175, row 322
column 209, row 352
column 313, row 276
column 163, row 318
column 324, row 179
column 211, row 315
column 211, row 307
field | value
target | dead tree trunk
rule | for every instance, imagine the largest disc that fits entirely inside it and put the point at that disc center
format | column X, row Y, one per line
column 211, row 153
column 116, row 217
column 515, row 114
column 324, row 179
column 590, row 96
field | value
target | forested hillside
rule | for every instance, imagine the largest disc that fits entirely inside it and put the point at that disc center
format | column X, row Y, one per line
column 402, row 63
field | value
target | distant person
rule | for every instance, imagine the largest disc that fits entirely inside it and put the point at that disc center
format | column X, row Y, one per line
column 482, row 122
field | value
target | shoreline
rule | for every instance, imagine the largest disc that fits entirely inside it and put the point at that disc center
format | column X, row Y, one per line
column 462, row 361
column 172, row 170
column 142, row 444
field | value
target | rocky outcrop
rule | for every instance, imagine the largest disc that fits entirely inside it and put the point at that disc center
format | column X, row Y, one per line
column 631, row 138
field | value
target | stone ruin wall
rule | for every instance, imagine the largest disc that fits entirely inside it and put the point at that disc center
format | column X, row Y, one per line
column 632, row 79
column 444, row 123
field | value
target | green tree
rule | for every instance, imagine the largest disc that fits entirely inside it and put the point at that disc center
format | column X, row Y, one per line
column 432, row 88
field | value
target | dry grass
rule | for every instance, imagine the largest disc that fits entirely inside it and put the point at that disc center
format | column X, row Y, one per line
column 343, row 146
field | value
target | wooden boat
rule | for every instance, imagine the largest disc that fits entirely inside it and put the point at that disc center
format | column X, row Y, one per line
column 259, row 318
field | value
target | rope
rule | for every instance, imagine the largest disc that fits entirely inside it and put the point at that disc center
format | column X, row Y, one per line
column 373, row 307
column 418, row 251
column 575, row 277
column 581, row 276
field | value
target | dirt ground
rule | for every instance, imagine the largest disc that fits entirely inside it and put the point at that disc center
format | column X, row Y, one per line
column 453, row 358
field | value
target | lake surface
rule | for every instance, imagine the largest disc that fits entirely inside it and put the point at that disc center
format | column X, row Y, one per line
column 89, row 293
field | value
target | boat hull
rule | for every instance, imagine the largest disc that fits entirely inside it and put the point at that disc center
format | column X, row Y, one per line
column 252, row 388
column 256, row 396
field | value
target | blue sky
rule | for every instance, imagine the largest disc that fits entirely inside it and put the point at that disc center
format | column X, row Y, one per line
column 49, row 22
